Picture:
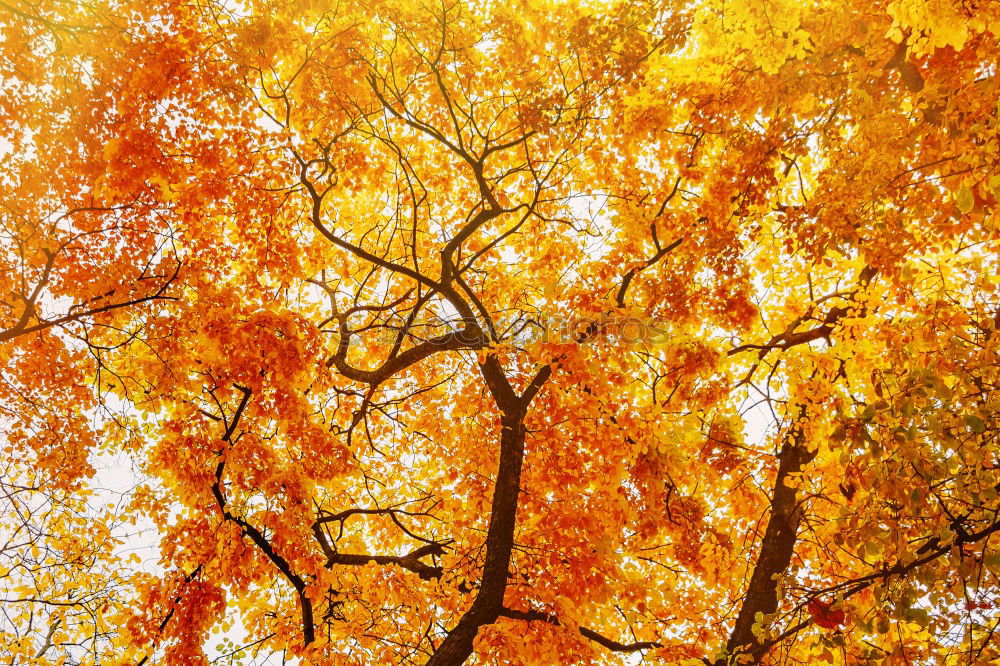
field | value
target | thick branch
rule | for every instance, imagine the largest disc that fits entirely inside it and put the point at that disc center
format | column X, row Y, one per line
column 486, row 607
column 316, row 218
column 790, row 337
column 776, row 547
column 410, row 561
column 471, row 337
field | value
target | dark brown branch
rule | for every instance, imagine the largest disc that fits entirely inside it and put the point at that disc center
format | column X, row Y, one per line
column 227, row 437
column 410, row 561
column 486, row 608
column 776, row 547
column 471, row 337
column 604, row 641
column 315, row 218
column 344, row 515
column 630, row 275
column 447, row 253
column 297, row 582
column 170, row 614
column 21, row 327
column 792, row 338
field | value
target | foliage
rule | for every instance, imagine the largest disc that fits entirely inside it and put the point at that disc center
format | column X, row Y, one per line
column 520, row 333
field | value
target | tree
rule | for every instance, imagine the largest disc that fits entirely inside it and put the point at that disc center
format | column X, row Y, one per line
column 530, row 333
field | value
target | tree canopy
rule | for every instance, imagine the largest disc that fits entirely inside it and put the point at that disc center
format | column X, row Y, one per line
column 528, row 332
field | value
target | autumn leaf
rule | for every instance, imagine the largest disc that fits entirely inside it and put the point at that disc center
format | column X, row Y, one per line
column 521, row 333
column 824, row 615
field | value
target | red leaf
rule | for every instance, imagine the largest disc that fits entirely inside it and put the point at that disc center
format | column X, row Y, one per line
column 824, row 615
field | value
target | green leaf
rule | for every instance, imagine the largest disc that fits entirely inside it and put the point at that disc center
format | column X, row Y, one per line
column 975, row 423
column 918, row 615
column 994, row 184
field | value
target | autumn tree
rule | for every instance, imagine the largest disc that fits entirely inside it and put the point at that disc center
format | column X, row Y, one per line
column 509, row 333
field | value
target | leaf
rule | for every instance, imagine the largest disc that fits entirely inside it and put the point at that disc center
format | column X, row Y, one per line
column 824, row 615
column 976, row 424
column 964, row 199
column 917, row 615
column 534, row 332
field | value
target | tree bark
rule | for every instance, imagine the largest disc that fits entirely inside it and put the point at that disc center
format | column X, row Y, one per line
column 488, row 604
column 776, row 549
